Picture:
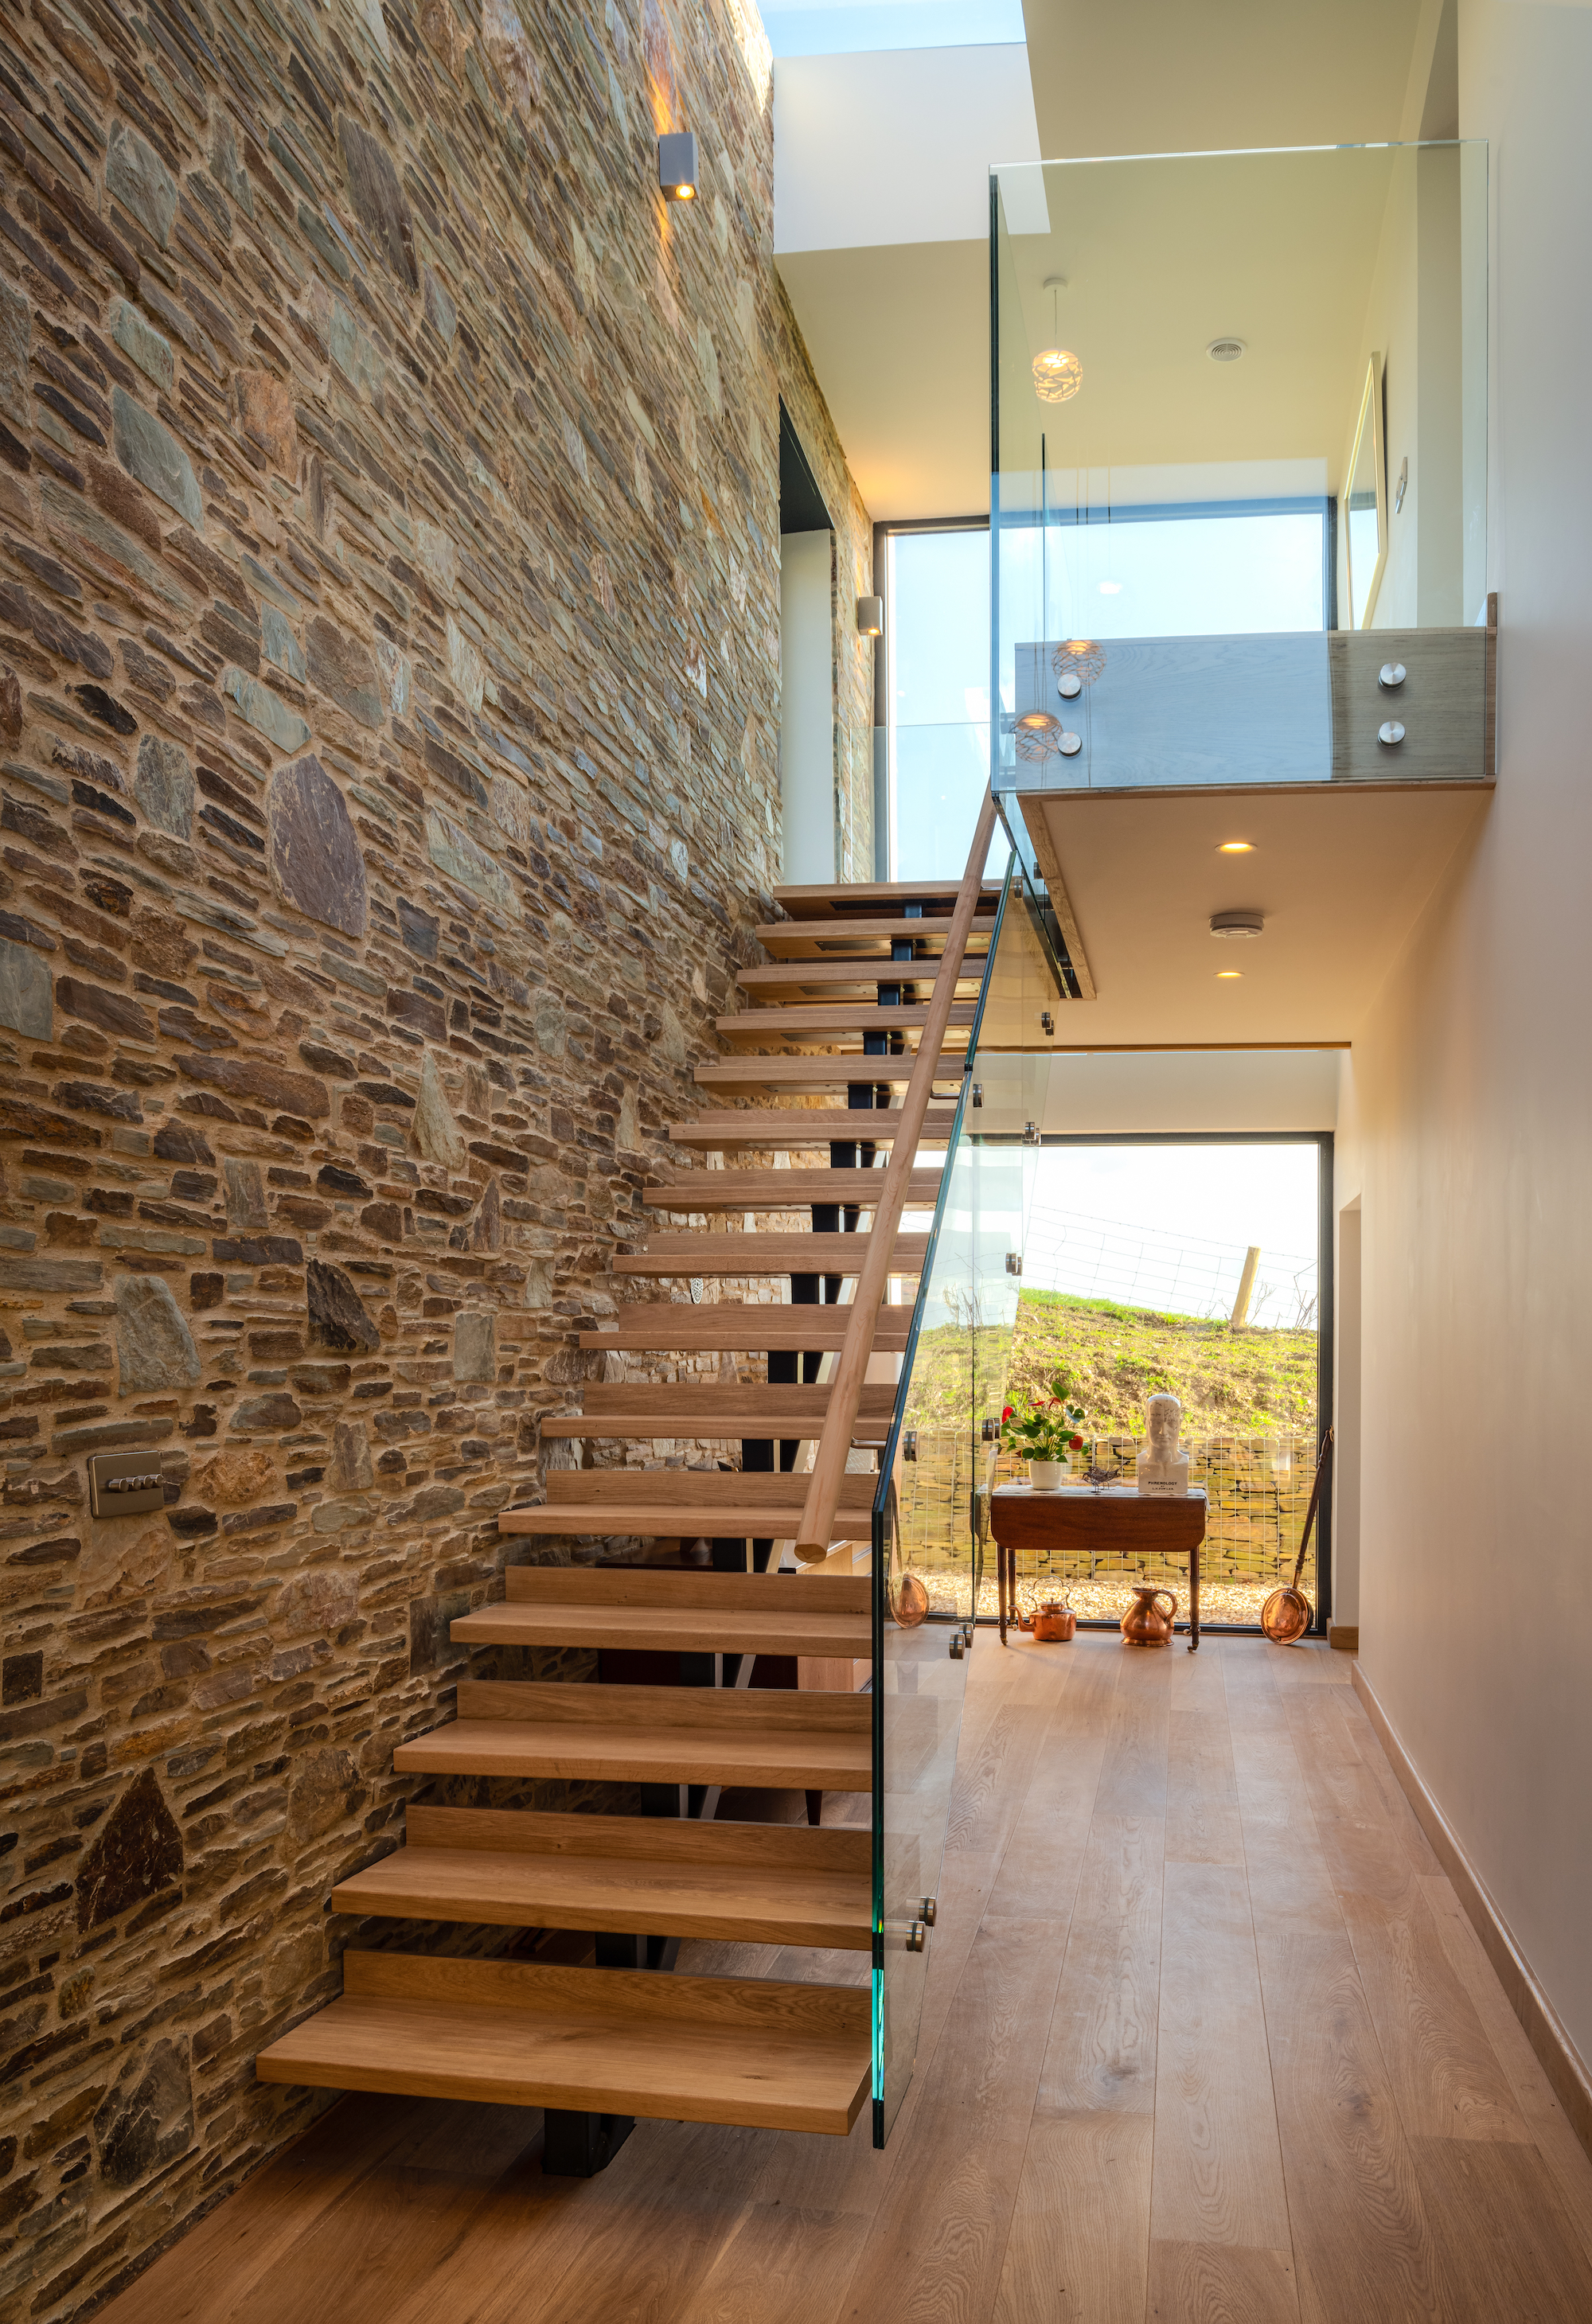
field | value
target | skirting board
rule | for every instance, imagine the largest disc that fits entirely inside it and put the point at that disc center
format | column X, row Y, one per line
column 1555, row 2052
column 1344, row 1637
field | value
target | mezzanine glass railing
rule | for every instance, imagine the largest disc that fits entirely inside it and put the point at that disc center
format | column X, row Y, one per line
column 1239, row 489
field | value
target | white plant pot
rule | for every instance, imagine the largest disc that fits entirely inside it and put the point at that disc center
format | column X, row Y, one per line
column 1046, row 1476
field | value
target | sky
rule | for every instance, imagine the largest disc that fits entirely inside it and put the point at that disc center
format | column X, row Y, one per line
column 1153, row 1223
column 844, row 27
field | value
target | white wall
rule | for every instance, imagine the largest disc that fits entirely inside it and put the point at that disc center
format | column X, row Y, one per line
column 896, row 146
column 1467, row 1122
column 807, row 708
column 1111, row 1094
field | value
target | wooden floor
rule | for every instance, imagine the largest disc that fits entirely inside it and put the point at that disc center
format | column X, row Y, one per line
column 1207, row 2038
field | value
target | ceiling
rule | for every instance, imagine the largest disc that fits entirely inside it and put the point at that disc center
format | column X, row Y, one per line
column 899, row 341
column 897, row 326
column 1162, row 257
column 1340, row 871
column 1162, row 77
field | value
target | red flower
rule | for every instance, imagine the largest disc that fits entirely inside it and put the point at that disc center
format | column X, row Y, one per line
column 1075, row 1443
column 1009, row 1413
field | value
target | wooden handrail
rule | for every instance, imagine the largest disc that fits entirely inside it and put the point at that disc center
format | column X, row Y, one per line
column 823, row 1493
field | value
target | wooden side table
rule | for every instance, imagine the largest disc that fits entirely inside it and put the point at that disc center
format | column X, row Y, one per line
column 1119, row 1522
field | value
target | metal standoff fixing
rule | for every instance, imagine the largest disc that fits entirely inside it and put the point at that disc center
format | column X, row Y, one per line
column 1071, row 744
column 1391, row 674
column 1389, row 732
column 916, row 1936
column 930, row 1910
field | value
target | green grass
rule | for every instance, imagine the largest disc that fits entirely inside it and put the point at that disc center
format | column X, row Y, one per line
column 1248, row 1382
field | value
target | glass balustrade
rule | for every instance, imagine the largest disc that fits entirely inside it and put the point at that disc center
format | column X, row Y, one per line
column 929, row 1518
column 1239, row 497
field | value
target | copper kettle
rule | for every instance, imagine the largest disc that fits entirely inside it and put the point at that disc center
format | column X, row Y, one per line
column 1144, row 1624
column 1054, row 1621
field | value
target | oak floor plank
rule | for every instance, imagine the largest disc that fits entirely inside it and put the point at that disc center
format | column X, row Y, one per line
column 785, row 2265
column 940, row 2234
column 1202, row 1821
column 1445, row 2073
column 1220, row 2284
column 219, row 2261
column 1132, row 1779
column 1100, row 2057
column 1508, row 2251
column 1091, row 2066
column 415, row 2210
column 1039, row 1867
column 1565, row 2160
column 1362, row 2247
column 1218, row 2164
column 1079, row 2245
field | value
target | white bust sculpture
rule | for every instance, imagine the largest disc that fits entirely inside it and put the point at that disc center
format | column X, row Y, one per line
column 1162, row 1471
column 1166, row 1418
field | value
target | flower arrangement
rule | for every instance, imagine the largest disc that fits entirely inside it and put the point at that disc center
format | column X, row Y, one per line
column 1046, row 1430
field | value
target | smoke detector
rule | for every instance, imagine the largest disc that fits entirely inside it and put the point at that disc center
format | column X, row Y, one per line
column 1225, row 350
column 1237, row 924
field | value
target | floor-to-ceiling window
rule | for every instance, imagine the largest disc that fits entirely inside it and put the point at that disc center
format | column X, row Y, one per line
column 1106, row 572
column 936, row 588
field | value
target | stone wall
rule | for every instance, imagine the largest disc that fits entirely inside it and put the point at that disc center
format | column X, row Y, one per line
column 388, row 687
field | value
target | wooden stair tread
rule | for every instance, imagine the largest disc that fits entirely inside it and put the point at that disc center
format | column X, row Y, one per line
column 620, row 1754
column 775, row 980
column 754, row 1399
column 740, row 1326
column 835, row 900
column 681, row 2049
column 710, row 1425
column 802, row 1252
column 798, row 1127
column 804, row 1076
column 668, row 1629
column 782, row 1190
column 712, row 1412
column 461, row 1864
column 859, row 934
column 799, row 1740
column 745, row 1593
column 758, row 1487
column 818, row 1021
column 654, row 1520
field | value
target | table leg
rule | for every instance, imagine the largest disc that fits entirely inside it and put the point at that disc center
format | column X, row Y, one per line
column 1194, row 1599
column 1000, row 1589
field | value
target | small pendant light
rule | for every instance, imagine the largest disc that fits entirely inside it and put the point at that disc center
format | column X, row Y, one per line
column 1058, row 373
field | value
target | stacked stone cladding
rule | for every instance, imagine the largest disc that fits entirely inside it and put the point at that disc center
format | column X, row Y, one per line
column 388, row 700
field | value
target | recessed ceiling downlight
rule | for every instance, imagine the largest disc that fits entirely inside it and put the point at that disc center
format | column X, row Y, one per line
column 1236, row 847
column 1225, row 350
column 1237, row 924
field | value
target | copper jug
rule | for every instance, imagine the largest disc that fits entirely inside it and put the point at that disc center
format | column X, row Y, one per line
column 1144, row 1624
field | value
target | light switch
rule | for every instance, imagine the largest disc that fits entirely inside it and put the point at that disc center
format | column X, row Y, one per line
column 125, row 1484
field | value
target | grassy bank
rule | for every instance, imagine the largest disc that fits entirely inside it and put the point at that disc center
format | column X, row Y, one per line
column 1245, row 1382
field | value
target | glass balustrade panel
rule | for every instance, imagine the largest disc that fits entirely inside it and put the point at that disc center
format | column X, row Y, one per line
column 929, row 1520
column 1239, row 498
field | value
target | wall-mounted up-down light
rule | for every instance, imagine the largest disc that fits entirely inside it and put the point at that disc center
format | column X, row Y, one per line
column 677, row 166
column 870, row 617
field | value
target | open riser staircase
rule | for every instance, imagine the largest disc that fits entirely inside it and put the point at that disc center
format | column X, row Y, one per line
column 865, row 1005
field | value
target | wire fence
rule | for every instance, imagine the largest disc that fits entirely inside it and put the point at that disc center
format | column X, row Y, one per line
column 1258, row 1488
column 1176, row 1275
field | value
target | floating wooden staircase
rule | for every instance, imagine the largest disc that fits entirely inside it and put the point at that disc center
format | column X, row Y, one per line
column 864, row 995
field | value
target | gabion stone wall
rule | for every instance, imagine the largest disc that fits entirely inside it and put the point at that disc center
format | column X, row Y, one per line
column 388, row 789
